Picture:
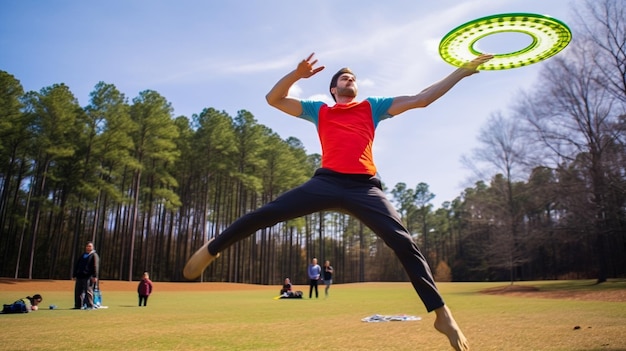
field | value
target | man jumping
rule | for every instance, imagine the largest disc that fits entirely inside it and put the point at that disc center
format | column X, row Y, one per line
column 347, row 179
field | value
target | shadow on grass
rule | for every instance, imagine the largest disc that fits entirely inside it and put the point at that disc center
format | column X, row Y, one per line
column 8, row 281
column 584, row 285
column 613, row 290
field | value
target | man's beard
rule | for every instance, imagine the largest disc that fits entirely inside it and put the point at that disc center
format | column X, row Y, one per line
column 350, row 92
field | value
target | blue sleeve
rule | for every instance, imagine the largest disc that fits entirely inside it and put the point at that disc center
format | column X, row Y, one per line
column 380, row 108
column 310, row 110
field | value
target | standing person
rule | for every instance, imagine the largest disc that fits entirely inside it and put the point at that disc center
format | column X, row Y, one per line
column 144, row 289
column 86, row 273
column 328, row 276
column 346, row 180
column 314, row 272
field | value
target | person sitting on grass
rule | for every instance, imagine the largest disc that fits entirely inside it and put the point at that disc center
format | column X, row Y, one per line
column 286, row 290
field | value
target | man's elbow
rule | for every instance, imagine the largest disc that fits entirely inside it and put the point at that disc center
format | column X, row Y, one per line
column 271, row 100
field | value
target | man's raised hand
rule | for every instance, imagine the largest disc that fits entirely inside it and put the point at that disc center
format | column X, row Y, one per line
column 473, row 64
column 306, row 68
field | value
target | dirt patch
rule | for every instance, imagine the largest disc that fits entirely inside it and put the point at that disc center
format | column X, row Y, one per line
column 531, row 291
column 510, row 289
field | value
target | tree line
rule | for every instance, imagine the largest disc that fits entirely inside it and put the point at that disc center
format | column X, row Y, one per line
column 149, row 187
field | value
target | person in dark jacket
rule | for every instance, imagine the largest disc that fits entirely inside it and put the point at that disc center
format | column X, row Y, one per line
column 328, row 276
column 86, row 274
column 144, row 289
column 286, row 289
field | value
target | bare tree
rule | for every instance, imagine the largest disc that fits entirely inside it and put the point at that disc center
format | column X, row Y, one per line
column 603, row 26
column 503, row 149
column 572, row 113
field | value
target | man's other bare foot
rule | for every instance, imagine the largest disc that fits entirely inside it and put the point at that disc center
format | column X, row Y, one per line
column 446, row 325
column 198, row 262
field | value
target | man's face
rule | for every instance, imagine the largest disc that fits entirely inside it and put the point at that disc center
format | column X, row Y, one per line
column 346, row 85
column 89, row 247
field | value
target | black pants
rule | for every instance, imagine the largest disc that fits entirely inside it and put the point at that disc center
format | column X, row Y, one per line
column 313, row 285
column 83, row 293
column 143, row 299
column 358, row 195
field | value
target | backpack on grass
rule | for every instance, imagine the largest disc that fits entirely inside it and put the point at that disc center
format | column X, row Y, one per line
column 292, row 295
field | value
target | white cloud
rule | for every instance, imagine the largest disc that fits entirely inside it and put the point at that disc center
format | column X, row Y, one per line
column 322, row 97
column 295, row 91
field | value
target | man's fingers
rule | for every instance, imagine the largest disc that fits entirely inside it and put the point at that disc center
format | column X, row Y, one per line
column 318, row 69
column 484, row 58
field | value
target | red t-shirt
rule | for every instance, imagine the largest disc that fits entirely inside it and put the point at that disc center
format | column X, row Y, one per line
column 346, row 132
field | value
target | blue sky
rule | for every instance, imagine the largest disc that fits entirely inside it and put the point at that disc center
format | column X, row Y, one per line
column 228, row 54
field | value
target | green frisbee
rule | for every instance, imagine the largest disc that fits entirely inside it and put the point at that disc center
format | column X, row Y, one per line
column 549, row 36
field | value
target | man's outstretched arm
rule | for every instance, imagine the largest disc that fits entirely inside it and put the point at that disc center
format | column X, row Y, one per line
column 278, row 95
column 437, row 90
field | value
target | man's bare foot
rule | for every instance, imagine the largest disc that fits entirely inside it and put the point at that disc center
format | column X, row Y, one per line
column 198, row 262
column 446, row 325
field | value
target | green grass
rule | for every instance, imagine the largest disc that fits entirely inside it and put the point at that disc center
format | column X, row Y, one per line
column 252, row 320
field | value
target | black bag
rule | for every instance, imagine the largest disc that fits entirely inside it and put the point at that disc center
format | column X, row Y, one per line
column 18, row 306
column 293, row 295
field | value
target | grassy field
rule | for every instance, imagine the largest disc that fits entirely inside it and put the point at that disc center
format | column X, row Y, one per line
column 213, row 316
